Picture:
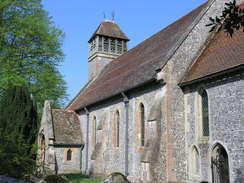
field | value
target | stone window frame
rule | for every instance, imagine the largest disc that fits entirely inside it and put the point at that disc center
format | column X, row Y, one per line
column 212, row 152
column 116, row 127
column 73, row 155
column 200, row 135
column 195, row 161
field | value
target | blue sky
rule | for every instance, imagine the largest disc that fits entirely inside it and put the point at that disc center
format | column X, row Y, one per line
column 139, row 19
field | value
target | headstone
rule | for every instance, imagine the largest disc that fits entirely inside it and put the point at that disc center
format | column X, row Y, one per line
column 116, row 178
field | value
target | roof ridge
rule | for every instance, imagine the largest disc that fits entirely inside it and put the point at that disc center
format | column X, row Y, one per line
column 160, row 31
column 149, row 55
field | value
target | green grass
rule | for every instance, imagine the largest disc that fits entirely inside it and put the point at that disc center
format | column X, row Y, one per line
column 80, row 178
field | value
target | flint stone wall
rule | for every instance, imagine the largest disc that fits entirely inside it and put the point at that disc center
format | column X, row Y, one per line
column 226, row 114
column 110, row 158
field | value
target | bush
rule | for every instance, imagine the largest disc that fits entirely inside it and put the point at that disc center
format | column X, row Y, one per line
column 55, row 179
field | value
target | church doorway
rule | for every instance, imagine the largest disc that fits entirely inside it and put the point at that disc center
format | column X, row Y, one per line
column 220, row 165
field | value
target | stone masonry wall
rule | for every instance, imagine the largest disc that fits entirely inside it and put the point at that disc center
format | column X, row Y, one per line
column 110, row 158
column 175, row 69
column 226, row 114
column 98, row 63
column 173, row 162
column 64, row 166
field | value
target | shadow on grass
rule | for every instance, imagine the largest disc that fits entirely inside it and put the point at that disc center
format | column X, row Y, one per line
column 81, row 178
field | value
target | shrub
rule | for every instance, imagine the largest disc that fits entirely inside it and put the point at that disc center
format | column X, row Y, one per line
column 55, row 179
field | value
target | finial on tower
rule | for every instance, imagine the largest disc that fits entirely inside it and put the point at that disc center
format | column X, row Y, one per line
column 104, row 16
column 113, row 16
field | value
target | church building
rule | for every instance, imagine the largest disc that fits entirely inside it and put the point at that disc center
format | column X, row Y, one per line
column 171, row 109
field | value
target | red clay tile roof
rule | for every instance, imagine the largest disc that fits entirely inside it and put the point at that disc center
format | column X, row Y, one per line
column 66, row 125
column 222, row 53
column 110, row 29
column 136, row 66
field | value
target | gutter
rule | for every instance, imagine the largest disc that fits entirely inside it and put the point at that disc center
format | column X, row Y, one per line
column 126, row 104
column 213, row 76
column 117, row 94
column 68, row 145
column 87, row 138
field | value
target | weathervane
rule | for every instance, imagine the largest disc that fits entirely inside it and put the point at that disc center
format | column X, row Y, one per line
column 104, row 16
column 113, row 15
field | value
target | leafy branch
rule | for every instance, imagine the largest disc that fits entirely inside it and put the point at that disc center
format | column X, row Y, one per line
column 232, row 19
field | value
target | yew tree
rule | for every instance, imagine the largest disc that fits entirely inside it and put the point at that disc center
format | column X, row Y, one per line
column 18, row 132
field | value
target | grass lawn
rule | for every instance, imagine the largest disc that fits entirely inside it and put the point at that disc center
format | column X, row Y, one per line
column 80, row 178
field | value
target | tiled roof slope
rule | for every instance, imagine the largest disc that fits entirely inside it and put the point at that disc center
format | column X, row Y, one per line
column 110, row 29
column 222, row 53
column 136, row 66
column 66, row 127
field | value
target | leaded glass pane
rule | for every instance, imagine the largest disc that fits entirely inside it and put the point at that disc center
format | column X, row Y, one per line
column 142, row 118
column 205, row 116
column 117, row 128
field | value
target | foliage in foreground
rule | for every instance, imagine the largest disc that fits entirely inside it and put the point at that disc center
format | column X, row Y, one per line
column 18, row 130
column 232, row 19
column 80, row 178
column 55, row 179
column 31, row 50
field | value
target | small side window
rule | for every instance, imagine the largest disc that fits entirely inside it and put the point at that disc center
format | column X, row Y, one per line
column 69, row 155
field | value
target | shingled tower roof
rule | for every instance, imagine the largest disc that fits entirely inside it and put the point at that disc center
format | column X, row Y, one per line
column 110, row 29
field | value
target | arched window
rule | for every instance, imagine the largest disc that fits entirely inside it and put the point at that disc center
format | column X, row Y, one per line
column 205, row 113
column 94, row 133
column 142, row 123
column 220, row 165
column 195, row 160
column 117, row 123
column 69, row 155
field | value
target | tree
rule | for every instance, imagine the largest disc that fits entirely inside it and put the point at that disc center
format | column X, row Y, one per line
column 232, row 19
column 30, row 51
column 18, row 131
